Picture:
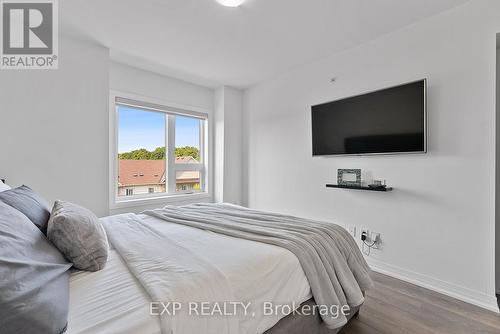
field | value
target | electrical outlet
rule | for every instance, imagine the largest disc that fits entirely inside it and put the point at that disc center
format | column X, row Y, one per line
column 367, row 233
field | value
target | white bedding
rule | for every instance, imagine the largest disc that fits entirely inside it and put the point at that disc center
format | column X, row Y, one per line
column 113, row 301
column 109, row 301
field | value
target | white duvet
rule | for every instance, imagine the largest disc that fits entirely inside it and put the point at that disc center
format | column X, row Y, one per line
column 113, row 300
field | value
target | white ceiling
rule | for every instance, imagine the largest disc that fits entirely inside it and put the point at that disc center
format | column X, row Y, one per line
column 203, row 42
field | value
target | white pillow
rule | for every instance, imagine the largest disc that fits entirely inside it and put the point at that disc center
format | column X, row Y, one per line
column 3, row 186
column 78, row 235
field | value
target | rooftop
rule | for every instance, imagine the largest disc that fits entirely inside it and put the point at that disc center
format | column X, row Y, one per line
column 149, row 172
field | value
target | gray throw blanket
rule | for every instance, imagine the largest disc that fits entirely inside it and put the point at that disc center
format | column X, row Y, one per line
column 335, row 268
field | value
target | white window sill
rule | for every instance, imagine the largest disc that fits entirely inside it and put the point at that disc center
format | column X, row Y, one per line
column 159, row 200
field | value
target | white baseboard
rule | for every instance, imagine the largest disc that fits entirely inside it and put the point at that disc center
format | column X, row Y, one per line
column 467, row 295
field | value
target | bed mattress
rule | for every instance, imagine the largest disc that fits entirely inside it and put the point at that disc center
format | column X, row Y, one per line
column 113, row 301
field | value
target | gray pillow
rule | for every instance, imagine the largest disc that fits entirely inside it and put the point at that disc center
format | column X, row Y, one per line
column 34, row 278
column 79, row 235
column 30, row 204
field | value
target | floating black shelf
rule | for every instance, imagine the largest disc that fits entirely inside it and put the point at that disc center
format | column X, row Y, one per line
column 360, row 188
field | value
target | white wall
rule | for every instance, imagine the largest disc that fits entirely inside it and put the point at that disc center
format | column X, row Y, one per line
column 438, row 225
column 133, row 80
column 219, row 144
column 54, row 127
column 228, row 143
column 55, row 124
column 497, row 212
column 233, row 145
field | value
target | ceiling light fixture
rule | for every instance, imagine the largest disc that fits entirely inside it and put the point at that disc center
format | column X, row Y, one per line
column 230, row 3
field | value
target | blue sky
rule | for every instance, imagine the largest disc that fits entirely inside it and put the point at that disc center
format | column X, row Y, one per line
column 145, row 129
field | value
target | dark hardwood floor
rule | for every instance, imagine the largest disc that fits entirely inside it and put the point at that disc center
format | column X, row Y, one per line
column 397, row 307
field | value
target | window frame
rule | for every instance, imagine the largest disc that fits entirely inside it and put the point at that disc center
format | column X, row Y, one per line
column 171, row 195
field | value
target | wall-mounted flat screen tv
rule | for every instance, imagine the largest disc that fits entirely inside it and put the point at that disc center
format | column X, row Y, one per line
column 388, row 121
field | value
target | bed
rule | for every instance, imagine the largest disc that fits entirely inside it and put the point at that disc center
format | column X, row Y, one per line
column 185, row 259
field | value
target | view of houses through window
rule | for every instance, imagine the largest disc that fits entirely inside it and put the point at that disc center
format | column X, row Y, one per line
column 143, row 152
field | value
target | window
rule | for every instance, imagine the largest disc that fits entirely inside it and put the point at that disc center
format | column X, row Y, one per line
column 141, row 151
column 160, row 150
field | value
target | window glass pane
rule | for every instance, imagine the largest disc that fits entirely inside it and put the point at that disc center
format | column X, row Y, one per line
column 187, row 139
column 187, row 181
column 141, row 151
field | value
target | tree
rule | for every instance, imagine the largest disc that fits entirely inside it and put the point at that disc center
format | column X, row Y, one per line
column 159, row 153
column 140, row 154
column 187, row 151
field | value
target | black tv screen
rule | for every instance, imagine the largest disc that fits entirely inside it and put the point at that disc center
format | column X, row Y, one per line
column 387, row 121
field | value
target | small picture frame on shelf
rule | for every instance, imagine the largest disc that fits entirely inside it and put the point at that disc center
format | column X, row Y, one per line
column 349, row 177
